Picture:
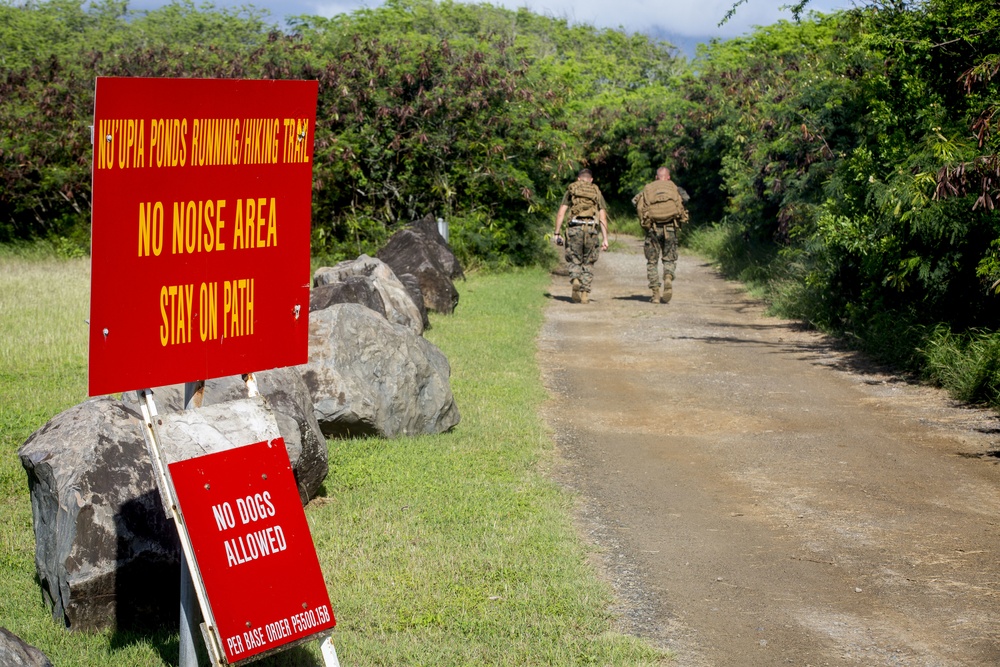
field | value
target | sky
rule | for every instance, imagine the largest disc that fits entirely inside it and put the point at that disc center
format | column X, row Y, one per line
column 683, row 22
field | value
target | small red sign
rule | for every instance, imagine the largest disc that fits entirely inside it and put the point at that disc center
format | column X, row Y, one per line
column 253, row 548
column 202, row 195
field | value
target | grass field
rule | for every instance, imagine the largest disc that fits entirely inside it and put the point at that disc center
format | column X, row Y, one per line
column 453, row 549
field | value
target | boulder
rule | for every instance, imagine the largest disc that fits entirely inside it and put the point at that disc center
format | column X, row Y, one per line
column 427, row 227
column 409, row 251
column 400, row 308
column 105, row 552
column 412, row 286
column 15, row 652
column 368, row 376
column 289, row 399
column 353, row 289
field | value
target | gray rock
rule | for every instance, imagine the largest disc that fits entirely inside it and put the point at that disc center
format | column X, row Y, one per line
column 187, row 434
column 105, row 552
column 409, row 251
column 412, row 286
column 368, row 376
column 353, row 289
column 289, row 398
column 399, row 306
column 428, row 229
column 15, row 652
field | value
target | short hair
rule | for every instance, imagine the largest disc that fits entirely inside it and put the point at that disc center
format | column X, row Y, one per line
column 585, row 172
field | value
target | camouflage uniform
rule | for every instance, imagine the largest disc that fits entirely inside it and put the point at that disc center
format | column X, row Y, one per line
column 583, row 247
column 661, row 211
column 583, row 243
column 661, row 241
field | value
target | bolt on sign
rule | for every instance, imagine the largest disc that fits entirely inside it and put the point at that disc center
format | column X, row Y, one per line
column 253, row 549
column 202, row 193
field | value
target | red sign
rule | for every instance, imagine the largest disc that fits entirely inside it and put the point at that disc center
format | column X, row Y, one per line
column 253, row 548
column 202, row 193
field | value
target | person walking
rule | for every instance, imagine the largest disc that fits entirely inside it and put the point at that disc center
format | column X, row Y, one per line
column 661, row 213
column 587, row 210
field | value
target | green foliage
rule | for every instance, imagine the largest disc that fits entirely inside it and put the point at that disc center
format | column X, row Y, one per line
column 473, row 114
column 469, row 112
column 406, row 129
column 967, row 365
column 843, row 144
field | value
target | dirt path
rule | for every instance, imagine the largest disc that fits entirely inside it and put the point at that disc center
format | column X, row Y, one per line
column 758, row 497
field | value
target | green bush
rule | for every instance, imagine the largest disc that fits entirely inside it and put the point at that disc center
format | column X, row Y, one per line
column 967, row 365
column 472, row 113
column 837, row 153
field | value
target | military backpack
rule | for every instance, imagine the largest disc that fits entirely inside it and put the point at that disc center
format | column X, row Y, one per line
column 661, row 202
column 584, row 199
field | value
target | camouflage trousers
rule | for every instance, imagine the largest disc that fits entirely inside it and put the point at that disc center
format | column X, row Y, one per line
column 661, row 242
column 583, row 247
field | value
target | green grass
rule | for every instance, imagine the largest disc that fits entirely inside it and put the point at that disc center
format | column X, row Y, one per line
column 967, row 364
column 453, row 549
column 43, row 338
column 623, row 224
column 42, row 363
column 753, row 263
column 472, row 559
column 623, row 221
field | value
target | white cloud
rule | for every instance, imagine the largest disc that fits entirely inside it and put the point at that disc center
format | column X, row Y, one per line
column 699, row 18
column 676, row 16
column 686, row 18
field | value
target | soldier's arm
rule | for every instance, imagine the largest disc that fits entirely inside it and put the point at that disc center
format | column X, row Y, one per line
column 602, row 216
column 685, row 198
column 560, row 215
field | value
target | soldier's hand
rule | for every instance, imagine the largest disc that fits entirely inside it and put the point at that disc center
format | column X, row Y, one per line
column 604, row 244
column 558, row 239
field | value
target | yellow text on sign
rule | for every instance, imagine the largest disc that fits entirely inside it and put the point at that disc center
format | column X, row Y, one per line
column 189, row 312
column 200, row 226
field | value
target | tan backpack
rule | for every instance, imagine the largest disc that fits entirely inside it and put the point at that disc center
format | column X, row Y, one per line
column 584, row 199
column 661, row 202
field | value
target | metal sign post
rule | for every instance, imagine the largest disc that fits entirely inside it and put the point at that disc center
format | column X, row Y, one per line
column 168, row 496
column 194, row 392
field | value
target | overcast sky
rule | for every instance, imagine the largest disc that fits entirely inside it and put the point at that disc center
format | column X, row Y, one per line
column 690, row 21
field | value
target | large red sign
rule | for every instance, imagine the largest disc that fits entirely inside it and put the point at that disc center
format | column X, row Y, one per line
column 253, row 548
column 201, row 226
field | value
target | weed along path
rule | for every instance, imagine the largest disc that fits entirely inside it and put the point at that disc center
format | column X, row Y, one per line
column 757, row 497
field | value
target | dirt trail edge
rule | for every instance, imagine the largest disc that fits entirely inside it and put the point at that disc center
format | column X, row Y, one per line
column 758, row 497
